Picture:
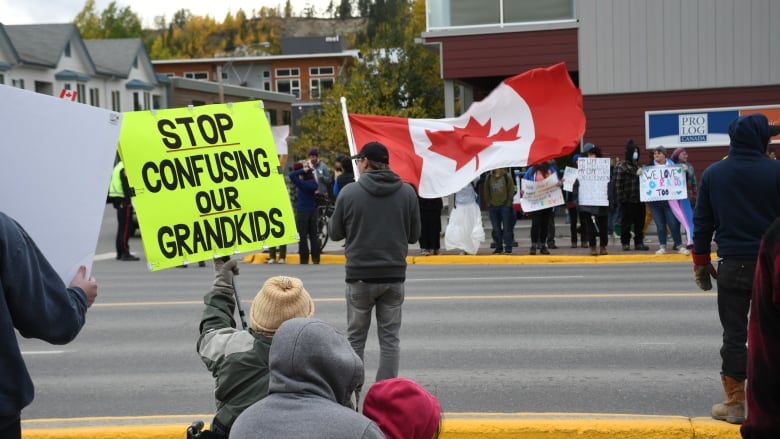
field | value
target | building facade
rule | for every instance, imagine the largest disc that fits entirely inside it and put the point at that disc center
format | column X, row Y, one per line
column 628, row 57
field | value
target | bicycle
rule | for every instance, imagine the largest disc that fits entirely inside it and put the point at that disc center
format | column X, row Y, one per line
column 324, row 211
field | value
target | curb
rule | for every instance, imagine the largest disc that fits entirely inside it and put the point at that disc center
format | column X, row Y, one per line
column 262, row 258
column 454, row 426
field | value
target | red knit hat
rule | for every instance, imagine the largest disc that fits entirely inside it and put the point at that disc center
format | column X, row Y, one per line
column 403, row 409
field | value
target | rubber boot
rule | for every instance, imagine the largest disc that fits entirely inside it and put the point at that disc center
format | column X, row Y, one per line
column 732, row 410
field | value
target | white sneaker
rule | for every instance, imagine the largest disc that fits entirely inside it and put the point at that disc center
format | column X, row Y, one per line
column 271, row 261
column 683, row 250
column 281, row 261
column 661, row 251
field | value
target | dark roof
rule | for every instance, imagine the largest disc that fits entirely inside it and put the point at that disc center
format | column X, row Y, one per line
column 114, row 57
column 40, row 44
column 304, row 45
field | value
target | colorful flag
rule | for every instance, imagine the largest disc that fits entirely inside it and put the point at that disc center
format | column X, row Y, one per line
column 68, row 94
column 529, row 118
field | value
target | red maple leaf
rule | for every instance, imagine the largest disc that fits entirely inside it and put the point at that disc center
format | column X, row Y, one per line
column 463, row 144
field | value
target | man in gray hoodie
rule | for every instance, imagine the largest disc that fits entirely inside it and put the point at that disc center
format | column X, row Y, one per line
column 314, row 372
column 379, row 217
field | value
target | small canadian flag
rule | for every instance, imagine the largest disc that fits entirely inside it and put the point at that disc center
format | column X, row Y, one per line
column 69, row 94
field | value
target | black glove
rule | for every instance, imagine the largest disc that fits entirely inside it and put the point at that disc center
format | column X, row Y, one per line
column 225, row 269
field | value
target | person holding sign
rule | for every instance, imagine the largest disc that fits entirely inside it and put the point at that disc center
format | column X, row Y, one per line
column 238, row 359
column 739, row 198
column 540, row 219
column 662, row 212
column 593, row 189
column 38, row 304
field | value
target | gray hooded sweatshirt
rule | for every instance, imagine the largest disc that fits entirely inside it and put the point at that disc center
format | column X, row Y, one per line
column 379, row 216
column 314, row 371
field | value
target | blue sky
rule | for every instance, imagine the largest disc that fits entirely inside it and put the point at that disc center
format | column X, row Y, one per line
column 63, row 11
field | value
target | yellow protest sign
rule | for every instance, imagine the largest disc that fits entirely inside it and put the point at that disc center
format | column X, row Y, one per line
column 206, row 182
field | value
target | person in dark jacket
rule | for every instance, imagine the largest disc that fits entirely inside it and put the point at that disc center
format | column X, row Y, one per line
column 35, row 302
column 633, row 209
column 314, row 373
column 378, row 216
column 763, row 357
column 598, row 216
column 739, row 197
column 346, row 177
column 430, row 225
column 238, row 359
column 119, row 195
column 306, row 213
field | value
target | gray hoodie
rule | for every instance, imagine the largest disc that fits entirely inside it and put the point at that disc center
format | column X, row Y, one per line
column 314, row 371
column 379, row 216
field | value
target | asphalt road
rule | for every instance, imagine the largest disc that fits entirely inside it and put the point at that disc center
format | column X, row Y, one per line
column 624, row 338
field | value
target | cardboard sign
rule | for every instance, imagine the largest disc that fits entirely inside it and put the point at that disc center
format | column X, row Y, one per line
column 658, row 183
column 206, row 182
column 538, row 195
column 569, row 177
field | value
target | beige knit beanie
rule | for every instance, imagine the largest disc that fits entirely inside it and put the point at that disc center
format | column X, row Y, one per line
column 280, row 299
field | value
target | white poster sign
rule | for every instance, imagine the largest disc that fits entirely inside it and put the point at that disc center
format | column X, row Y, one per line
column 657, row 183
column 569, row 177
column 593, row 175
column 56, row 159
column 538, row 195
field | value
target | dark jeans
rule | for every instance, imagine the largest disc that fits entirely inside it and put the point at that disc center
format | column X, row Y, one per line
column 430, row 229
column 735, row 284
column 124, row 215
column 10, row 428
column 306, row 222
column 502, row 221
column 540, row 221
column 633, row 214
column 282, row 252
column 597, row 226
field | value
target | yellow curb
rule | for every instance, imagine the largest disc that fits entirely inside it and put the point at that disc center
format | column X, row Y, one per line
column 459, row 426
column 262, row 258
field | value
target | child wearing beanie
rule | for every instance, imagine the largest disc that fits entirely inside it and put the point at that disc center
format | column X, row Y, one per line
column 238, row 359
column 403, row 409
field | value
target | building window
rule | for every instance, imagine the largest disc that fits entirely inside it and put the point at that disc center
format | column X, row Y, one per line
column 147, row 100
column 286, row 117
column 288, row 73
column 453, row 13
column 319, row 85
column 66, row 51
column 135, row 62
column 19, row 83
column 116, row 103
column 82, row 93
column 137, row 102
column 156, row 101
column 196, row 75
column 289, row 86
column 320, row 71
column 94, row 97
column 2, row 78
column 271, row 114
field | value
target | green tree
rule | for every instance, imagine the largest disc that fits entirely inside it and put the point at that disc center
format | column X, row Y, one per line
column 113, row 22
column 395, row 77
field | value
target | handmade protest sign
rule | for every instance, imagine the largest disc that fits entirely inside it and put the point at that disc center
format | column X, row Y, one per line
column 658, row 183
column 538, row 195
column 569, row 177
column 206, row 182
column 593, row 175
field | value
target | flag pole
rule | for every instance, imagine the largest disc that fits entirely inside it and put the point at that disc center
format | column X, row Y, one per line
column 350, row 138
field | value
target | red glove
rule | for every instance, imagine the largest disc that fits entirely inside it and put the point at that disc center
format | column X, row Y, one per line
column 703, row 270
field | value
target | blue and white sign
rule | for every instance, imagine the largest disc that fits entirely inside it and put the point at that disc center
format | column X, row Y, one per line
column 698, row 127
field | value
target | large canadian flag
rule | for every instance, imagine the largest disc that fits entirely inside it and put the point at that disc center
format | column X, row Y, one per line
column 529, row 118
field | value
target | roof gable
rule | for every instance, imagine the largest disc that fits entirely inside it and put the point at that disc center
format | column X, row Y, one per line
column 42, row 44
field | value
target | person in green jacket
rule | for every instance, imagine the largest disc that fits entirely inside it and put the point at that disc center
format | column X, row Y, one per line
column 238, row 359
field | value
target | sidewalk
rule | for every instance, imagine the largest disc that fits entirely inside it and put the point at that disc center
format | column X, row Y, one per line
column 564, row 254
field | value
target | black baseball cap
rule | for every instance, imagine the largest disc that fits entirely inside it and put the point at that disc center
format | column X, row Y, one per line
column 375, row 152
